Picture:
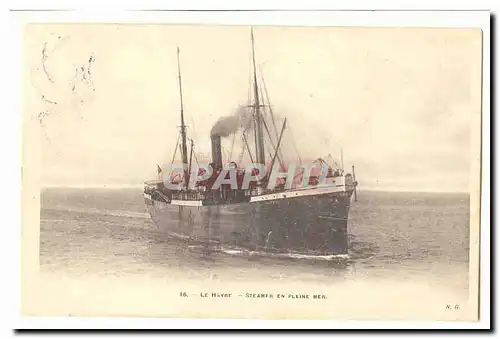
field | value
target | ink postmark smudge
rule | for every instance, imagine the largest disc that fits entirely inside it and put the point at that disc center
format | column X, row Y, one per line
column 60, row 93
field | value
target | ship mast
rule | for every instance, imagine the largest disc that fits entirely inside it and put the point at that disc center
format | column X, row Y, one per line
column 259, row 142
column 183, row 126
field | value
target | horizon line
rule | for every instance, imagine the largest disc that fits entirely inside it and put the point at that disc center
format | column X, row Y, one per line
column 140, row 186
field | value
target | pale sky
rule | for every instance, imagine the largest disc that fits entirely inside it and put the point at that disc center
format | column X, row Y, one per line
column 399, row 101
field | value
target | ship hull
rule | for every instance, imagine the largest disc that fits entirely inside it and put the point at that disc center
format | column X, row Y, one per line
column 315, row 224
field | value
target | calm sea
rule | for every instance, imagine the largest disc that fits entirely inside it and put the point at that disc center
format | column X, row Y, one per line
column 394, row 237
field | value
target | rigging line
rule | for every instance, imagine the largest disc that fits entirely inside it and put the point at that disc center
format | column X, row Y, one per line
column 190, row 158
column 192, row 127
column 226, row 153
column 249, row 93
column 196, row 159
column 254, row 111
column 248, row 105
column 298, row 174
column 232, row 147
column 255, row 131
column 279, row 142
column 259, row 142
column 243, row 131
column 249, row 121
column 240, row 158
column 273, row 120
column 263, row 103
column 183, row 126
column 272, row 142
column 264, row 116
column 269, row 102
column 176, row 147
column 194, row 154
column 248, row 149
column 295, row 145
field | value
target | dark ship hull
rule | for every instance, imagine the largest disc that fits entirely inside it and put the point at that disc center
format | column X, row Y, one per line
column 313, row 222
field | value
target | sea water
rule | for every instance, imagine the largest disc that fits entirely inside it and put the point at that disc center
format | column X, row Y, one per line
column 404, row 245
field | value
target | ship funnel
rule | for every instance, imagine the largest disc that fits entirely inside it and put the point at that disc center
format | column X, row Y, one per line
column 216, row 152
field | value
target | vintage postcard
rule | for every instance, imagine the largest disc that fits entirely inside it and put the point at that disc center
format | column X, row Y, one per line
column 251, row 171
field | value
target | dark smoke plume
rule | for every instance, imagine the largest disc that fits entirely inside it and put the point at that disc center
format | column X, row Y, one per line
column 227, row 125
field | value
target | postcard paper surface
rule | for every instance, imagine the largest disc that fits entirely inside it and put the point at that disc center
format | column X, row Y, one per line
column 265, row 172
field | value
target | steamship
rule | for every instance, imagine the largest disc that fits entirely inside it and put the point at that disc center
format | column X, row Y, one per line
column 300, row 213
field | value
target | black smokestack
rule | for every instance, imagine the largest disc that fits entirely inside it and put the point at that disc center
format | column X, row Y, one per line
column 216, row 152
